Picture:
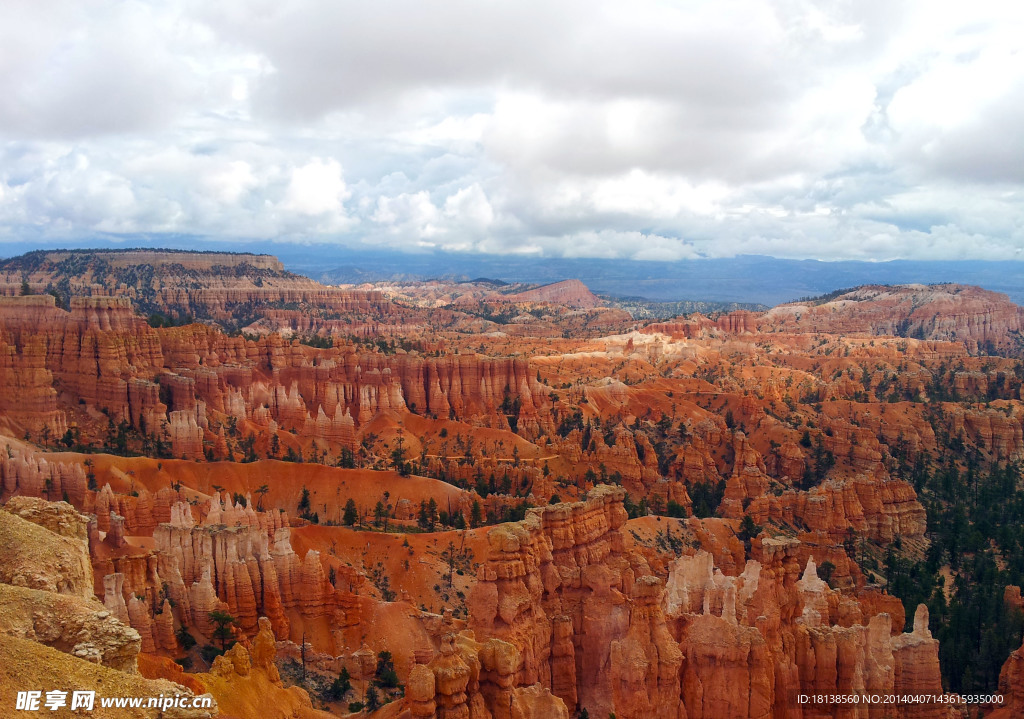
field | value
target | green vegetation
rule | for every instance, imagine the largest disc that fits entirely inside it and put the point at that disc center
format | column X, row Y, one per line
column 224, row 631
column 209, row 653
column 381, row 580
column 706, row 497
column 385, row 676
column 305, row 508
column 317, row 341
column 822, row 460
column 427, row 517
column 340, row 687
column 351, row 515
column 827, row 297
column 976, row 529
column 185, row 638
column 159, row 319
column 749, row 530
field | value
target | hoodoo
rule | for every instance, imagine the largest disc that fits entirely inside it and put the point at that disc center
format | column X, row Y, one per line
column 389, row 501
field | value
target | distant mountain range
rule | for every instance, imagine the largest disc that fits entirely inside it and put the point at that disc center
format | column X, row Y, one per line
column 743, row 279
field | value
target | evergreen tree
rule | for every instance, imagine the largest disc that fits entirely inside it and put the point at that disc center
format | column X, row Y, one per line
column 351, row 515
column 340, row 686
column 224, row 630
column 385, row 675
column 372, row 702
column 431, row 514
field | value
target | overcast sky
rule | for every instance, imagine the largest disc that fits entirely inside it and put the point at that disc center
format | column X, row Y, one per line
column 851, row 129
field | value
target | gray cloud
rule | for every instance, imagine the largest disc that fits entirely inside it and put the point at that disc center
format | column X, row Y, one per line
column 73, row 70
column 652, row 130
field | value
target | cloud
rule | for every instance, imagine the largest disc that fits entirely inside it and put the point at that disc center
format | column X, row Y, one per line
column 650, row 130
column 72, row 70
column 414, row 215
column 316, row 188
column 470, row 207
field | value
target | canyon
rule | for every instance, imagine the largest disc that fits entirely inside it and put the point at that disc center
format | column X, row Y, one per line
column 509, row 502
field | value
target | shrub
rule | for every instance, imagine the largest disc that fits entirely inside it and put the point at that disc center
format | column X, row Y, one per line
column 209, row 653
column 185, row 639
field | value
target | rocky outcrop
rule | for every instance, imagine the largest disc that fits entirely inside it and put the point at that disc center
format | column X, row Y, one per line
column 916, row 667
column 754, row 641
column 44, row 594
column 237, row 560
column 218, row 286
column 565, row 566
column 29, row 663
column 113, row 596
column 331, row 397
column 645, row 664
column 571, row 293
column 185, row 435
column 467, row 678
column 29, row 397
column 861, row 496
column 246, row 682
column 1011, row 686
column 880, row 509
column 729, row 671
column 82, row 628
column 591, row 623
column 55, row 634
column 178, row 386
column 36, row 558
column 59, row 517
column 980, row 319
column 29, row 473
column 154, row 666
column 93, row 351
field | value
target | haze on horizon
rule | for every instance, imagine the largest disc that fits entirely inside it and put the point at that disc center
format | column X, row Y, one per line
column 653, row 131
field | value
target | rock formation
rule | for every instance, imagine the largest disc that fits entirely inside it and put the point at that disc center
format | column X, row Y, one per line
column 568, row 562
column 219, row 285
column 55, row 633
column 236, row 561
column 246, row 682
column 702, row 644
column 35, row 557
column 976, row 317
column 168, row 385
column 571, row 293
column 800, row 432
column 29, row 663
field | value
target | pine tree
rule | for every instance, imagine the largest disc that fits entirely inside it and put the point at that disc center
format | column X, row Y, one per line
column 431, row 514
column 351, row 515
column 223, row 631
column 372, row 699
column 340, row 686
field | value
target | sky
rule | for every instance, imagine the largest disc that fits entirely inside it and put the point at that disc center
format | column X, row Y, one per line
column 853, row 129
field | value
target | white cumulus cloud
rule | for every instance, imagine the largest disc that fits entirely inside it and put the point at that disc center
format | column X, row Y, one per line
column 651, row 130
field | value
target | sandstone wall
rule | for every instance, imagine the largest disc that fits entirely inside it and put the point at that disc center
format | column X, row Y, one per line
column 594, row 625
